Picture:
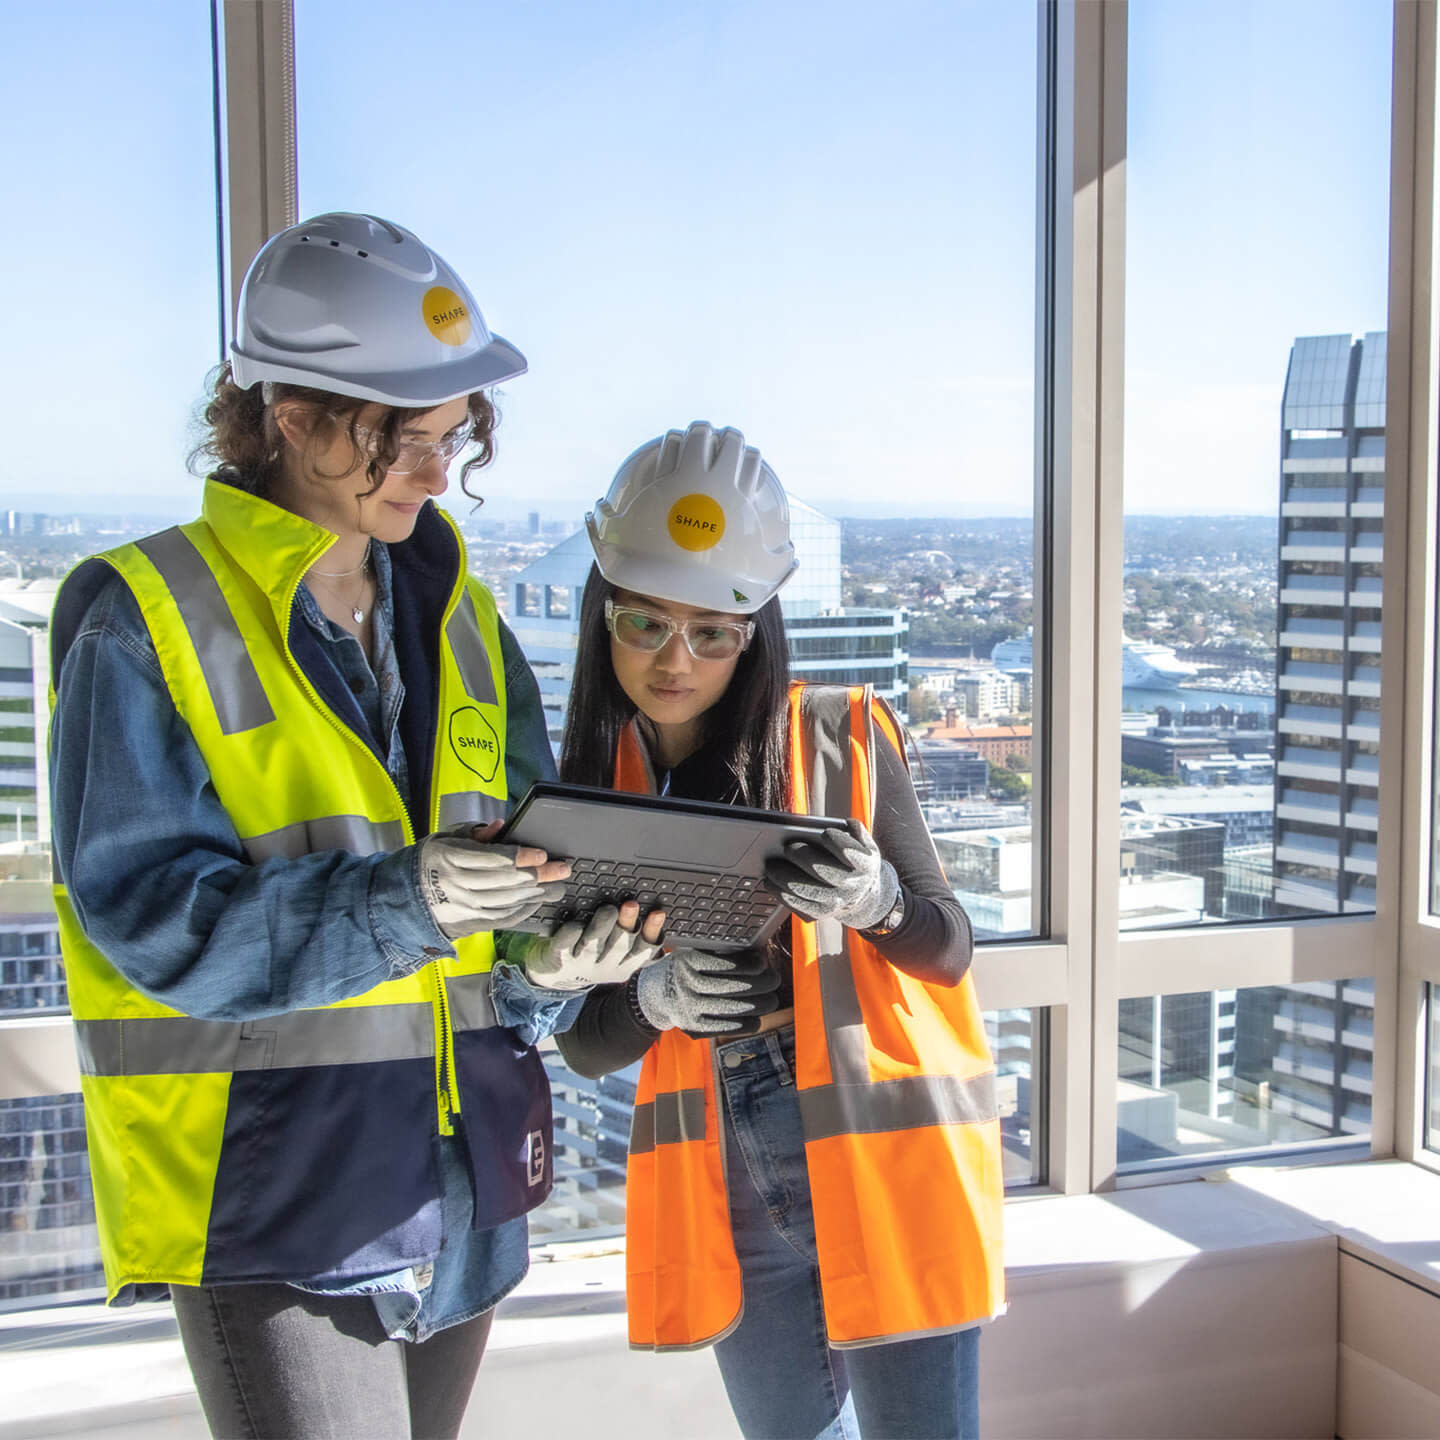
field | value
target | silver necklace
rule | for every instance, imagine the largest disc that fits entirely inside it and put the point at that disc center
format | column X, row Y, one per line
column 364, row 565
column 341, row 574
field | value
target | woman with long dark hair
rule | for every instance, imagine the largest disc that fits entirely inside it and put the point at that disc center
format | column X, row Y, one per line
column 814, row 1183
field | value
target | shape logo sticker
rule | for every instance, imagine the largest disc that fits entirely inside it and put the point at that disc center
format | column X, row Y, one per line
column 537, row 1157
column 474, row 741
column 446, row 316
column 696, row 522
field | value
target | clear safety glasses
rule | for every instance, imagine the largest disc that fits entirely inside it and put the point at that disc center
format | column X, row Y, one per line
column 705, row 639
column 415, row 453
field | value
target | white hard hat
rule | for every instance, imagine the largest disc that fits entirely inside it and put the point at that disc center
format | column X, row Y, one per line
column 357, row 306
column 696, row 517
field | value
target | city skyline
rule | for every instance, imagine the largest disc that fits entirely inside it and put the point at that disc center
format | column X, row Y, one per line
column 808, row 265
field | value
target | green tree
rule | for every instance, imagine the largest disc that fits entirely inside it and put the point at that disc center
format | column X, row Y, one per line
column 1137, row 775
column 1007, row 784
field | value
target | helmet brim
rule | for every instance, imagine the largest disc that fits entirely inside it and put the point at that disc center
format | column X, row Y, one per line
column 417, row 389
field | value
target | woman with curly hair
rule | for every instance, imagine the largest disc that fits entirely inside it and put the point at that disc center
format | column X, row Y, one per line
column 283, row 737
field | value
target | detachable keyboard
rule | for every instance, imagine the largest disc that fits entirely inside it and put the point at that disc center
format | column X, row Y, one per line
column 702, row 863
column 718, row 910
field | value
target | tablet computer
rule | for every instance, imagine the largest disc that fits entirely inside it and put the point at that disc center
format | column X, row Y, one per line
column 702, row 863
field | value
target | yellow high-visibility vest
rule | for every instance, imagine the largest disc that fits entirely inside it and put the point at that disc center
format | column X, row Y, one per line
column 300, row 1145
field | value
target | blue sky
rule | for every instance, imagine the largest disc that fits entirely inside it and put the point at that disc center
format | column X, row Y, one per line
column 823, row 235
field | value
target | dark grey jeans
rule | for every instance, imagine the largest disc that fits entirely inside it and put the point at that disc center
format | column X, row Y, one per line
column 273, row 1363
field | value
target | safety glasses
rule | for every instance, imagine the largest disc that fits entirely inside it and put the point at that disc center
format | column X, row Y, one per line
column 412, row 454
column 638, row 629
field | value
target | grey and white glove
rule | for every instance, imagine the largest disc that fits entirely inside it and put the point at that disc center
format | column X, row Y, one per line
column 846, row 878
column 599, row 952
column 470, row 885
column 707, row 994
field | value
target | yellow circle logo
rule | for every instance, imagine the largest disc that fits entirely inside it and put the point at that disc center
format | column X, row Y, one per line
column 696, row 522
column 446, row 315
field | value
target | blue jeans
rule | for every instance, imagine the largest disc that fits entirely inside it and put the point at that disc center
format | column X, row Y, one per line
column 784, row 1380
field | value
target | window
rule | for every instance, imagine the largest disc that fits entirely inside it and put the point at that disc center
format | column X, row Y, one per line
column 1255, row 299
column 1432, row 1069
column 108, row 149
column 1234, row 1070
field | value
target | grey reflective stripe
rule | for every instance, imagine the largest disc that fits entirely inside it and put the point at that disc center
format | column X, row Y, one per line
column 827, row 736
column 470, row 807
column 669, row 1119
column 235, row 690
column 471, row 1006
column 908, row 1104
column 178, row 1045
column 468, row 647
column 840, row 1007
column 356, row 833
column 827, row 748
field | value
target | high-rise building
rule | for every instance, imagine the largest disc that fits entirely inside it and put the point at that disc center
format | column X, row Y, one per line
column 24, row 807
column 1332, row 505
column 1317, row 1040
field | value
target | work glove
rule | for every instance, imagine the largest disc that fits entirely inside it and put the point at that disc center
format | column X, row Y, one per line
column 577, row 956
column 707, row 994
column 471, row 885
column 845, row 878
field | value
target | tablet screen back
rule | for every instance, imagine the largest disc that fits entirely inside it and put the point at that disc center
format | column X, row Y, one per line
column 702, row 863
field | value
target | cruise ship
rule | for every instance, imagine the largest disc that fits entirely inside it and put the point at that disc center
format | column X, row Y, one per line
column 1144, row 665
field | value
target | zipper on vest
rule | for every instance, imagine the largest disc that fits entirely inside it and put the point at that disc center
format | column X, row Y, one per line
column 446, row 615
column 447, row 1085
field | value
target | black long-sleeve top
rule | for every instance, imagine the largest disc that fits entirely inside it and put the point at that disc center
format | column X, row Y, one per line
column 933, row 942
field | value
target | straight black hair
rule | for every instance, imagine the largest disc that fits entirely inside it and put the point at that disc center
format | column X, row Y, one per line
column 746, row 729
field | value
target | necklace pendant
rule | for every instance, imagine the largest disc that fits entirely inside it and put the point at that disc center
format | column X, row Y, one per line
column 359, row 615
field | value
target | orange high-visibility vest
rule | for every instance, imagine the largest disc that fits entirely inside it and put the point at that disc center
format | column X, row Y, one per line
column 897, row 1095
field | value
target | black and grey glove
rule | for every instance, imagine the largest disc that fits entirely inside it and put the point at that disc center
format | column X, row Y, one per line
column 707, row 994
column 577, row 956
column 846, row 878
column 470, row 885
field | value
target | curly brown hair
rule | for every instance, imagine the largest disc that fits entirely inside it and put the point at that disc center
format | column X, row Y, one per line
column 244, row 446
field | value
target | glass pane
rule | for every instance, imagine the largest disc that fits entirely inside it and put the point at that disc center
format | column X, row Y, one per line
column 725, row 265
column 1255, row 301
column 48, row 1244
column 1229, row 1071
column 592, row 1130
column 107, row 147
column 1432, row 1069
column 1017, row 1040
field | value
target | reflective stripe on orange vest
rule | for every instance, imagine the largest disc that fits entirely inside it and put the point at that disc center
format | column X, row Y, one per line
column 897, row 1095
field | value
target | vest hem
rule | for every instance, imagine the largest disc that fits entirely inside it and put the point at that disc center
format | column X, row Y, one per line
column 653, row 1349
column 871, row 1342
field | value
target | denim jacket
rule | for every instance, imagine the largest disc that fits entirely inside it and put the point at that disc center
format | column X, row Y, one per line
column 161, row 883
